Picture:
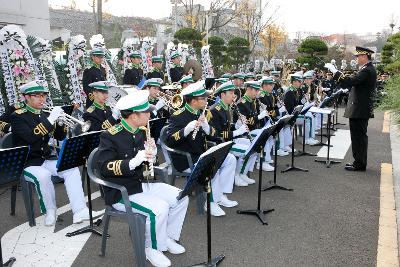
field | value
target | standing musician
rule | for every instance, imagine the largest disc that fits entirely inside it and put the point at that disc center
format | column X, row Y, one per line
column 221, row 120
column 250, row 109
column 99, row 113
column 276, row 74
column 156, row 71
column 360, row 104
column 193, row 118
column 32, row 127
column 94, row 73
column 123, row 153
column 134, row 73
column 176, row 72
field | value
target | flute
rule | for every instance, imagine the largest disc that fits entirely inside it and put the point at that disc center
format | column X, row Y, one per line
column 198, row 125
column 148, row 137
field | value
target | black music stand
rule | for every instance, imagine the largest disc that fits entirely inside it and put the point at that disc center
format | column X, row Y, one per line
column 206, row 168
column 303, row 112
column 295, row 113
column 74, row 153
column 257, row 146
column 282, row 122
column 328, row 161
column 12, row 163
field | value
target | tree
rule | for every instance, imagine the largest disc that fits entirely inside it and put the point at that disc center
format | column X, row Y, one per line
column 271, row 37
column 189, row 36
column 253, row 19
column 238, row 51
column 312, row 49
column 217, row 53
column 391, row 54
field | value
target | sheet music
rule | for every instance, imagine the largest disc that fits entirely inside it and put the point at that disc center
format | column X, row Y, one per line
column 321, row 110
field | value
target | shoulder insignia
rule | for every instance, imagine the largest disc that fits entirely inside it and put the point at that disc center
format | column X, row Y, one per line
column 21, row 110
column 218, row 107
column 91, row 109
column 19, row 105
column 243, row 100
column 208, row 115
column 179, row 111
column 115, row 129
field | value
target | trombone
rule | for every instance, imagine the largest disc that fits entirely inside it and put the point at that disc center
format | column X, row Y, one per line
column 69, row 121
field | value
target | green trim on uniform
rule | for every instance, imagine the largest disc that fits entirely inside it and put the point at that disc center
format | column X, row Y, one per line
column 141, row 107
column 197, row 93
column 152, row 218
column 37, row 185
column 244, row 165
column 247, row 98
column 192, row 110
column 235, row 149
column 223, row 105
column 33, row 110
column 128, row 127
column 97, row 105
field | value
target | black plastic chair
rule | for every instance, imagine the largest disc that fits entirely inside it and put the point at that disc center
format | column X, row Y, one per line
column 200, row 195
column 136, row 221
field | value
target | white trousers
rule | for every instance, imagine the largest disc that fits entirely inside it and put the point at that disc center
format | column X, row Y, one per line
column 310, row 124
column 285, row 137
column 41, row 177
column 222, row 183
column 239, row 149
column 164, row 213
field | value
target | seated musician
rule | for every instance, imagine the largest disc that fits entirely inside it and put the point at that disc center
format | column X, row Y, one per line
column 123, row 153
column 32, row 127
column 193, row 118
column 5, row 120
column 221, row 120
column 134, row 73
column 186, row 81
column 156, row 71
column 176, row 72
column 308, row 96
column 99, row 113
column 153, row 85
column 249, row 107
column 93, row 73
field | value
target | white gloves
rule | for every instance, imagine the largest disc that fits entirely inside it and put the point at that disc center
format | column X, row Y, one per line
column 115, row 113
column 326, row 89
column 138, row 159
column 160, row 103
column 238, row 124
column 262, row 115
column 55, row 114
column 189, row 128
column 331, row 67
column 206, row 127
column 242, row 129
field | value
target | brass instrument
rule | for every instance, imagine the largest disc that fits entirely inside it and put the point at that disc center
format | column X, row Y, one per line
column 70, row 121
column 148, row 137
column 172, row 101
column 195, row 68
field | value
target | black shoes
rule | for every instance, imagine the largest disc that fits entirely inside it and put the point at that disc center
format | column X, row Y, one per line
column 351, row 167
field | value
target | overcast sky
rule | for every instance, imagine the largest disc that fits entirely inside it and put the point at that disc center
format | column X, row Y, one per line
column 339, row 16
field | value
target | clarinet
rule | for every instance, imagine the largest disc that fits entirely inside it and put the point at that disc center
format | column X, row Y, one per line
column 198, row 125
column 242, row 118
column 148, row 137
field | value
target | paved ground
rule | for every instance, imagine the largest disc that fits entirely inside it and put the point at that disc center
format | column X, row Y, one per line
column 330, row 219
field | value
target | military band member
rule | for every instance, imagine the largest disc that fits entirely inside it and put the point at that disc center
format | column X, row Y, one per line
column 221, row 120
column 360, row 104
column 180, row 136
column 134, row 74
column 123, row 152
column 276, row 74
column 176, row 72
column 94, row 73
column 249, row 77
column 156, row 71
column 99, row 113
column 32, row 127
column 249, row 107
column 185, row 81
column 153, row 85
column 5, row 118
column 267, row 98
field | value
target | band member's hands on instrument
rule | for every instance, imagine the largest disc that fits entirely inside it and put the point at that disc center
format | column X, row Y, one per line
column 262, row 114
column 330, row 67
column 55, row 113
column 115, row 113
column 160, row 104
column 242, row 130
column 190, row 128
column 124, row 151
column 204, row 124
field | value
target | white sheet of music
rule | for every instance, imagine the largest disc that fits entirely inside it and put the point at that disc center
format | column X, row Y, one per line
column 322, row 110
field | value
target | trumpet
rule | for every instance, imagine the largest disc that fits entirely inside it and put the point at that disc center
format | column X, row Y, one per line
column 70, row 121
